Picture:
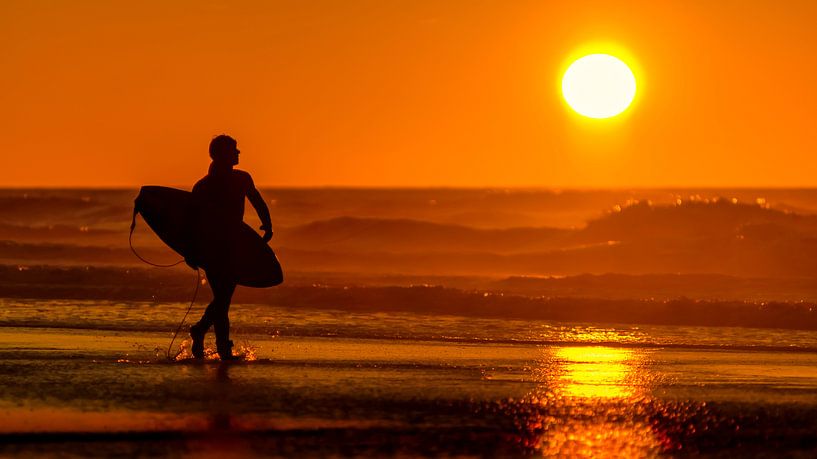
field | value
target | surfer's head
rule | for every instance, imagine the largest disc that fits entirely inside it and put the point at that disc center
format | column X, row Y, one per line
column 224, row 149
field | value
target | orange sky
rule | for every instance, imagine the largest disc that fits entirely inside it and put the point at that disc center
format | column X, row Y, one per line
column 404, row 93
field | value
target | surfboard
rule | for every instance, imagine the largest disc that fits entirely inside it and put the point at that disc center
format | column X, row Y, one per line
column 168, row 212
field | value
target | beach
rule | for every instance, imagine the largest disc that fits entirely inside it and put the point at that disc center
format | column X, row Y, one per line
column 332, row 383
column 428, row 322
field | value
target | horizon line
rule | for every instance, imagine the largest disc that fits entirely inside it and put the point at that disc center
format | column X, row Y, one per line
column 438, row 187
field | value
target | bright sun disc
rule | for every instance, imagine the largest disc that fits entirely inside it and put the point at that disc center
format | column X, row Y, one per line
column 598, row 86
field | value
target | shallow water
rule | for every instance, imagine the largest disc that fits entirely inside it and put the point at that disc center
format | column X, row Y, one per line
column 327, row 383
column 260, row 321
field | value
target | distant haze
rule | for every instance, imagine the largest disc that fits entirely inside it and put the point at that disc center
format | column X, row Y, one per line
column 420, row 93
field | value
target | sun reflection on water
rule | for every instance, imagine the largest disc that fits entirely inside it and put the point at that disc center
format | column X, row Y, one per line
column 595, row 372
column 590, row 401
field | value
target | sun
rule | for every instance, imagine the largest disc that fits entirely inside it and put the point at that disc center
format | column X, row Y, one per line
column 599, row 86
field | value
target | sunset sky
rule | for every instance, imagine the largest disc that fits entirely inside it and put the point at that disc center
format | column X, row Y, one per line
column 405, row 93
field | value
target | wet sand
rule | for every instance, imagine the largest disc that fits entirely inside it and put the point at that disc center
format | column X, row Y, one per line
column 91, row 392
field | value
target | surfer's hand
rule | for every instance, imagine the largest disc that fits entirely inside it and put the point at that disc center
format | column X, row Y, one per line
column 267, row 234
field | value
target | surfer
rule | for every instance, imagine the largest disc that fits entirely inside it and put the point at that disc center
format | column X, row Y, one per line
column 218, row 214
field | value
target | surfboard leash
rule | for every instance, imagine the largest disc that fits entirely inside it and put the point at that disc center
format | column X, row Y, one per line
column 186, row 313
column 195, row 292
column 130, row 242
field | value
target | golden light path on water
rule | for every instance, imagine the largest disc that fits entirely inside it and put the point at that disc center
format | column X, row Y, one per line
column 595, row 373
column 590, row 402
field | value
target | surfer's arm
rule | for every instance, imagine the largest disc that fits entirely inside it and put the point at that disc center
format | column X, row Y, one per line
column 261, row 208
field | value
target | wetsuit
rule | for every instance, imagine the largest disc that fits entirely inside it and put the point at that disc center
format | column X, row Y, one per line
column 219, row 211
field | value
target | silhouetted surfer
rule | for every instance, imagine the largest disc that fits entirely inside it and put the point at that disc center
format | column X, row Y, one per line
column 218, row 214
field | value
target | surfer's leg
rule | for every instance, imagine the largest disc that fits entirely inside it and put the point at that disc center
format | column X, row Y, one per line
column 207, row 318
column 197, row 332
column 199, row 329
column 223, row 293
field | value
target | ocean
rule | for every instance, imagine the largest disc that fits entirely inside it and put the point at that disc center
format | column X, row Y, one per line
column 422, row 323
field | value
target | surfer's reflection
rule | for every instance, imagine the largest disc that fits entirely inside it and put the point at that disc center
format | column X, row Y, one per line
column 218, row 214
